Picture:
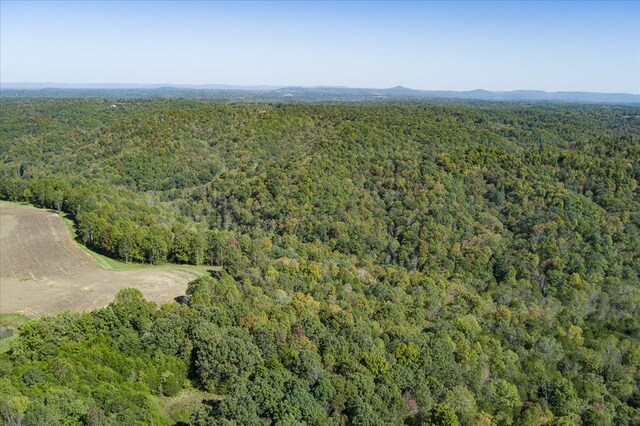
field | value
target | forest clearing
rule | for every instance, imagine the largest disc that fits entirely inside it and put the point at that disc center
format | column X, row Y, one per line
column 43, row 270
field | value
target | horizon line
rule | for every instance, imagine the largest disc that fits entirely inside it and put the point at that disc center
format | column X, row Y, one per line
column 232, row 86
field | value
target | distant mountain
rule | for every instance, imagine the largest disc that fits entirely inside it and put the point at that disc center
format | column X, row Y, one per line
column 35, row 86
column 400, row 92
column 299, row 94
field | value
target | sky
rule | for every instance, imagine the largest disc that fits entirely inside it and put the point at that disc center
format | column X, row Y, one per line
column 543, row 45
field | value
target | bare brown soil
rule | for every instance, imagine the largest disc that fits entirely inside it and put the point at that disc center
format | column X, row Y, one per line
column 43, row 270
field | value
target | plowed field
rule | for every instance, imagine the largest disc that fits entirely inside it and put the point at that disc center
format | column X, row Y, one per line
column 43, row 270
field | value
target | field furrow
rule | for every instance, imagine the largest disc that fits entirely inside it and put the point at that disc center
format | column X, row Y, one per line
column 43, row 271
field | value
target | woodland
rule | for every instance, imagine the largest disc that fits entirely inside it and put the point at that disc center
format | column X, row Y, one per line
column 419, row 263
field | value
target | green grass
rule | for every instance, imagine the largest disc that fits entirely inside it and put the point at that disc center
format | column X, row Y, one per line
column 10, row 322
column 17, row 204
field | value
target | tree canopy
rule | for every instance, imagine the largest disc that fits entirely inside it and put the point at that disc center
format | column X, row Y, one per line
column 390, row 263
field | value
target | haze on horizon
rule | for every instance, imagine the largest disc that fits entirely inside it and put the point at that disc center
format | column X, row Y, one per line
column 551, row 46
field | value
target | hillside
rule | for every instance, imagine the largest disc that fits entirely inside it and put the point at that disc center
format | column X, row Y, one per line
column 383, row 263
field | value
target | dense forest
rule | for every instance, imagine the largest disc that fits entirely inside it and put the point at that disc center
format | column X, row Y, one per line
column 414, row 263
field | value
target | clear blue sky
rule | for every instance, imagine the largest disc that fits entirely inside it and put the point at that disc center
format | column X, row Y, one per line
column 587, row 46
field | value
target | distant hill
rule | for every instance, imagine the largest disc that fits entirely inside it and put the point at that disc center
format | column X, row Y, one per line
column 299, row 94
column 35, row 86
